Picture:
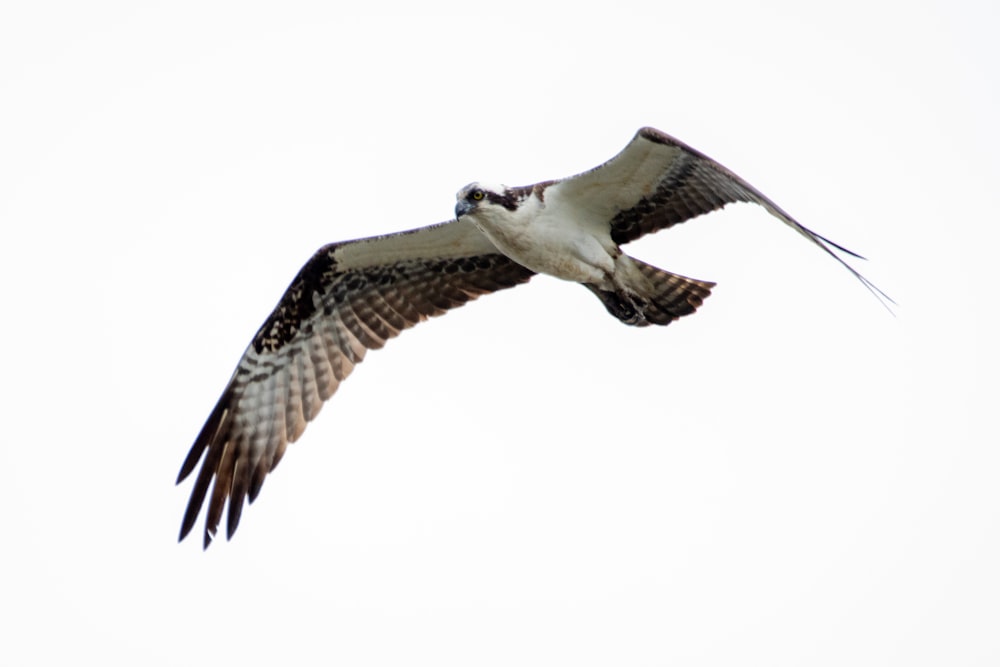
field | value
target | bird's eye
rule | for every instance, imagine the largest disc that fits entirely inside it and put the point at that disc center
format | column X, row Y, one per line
column 477, row 195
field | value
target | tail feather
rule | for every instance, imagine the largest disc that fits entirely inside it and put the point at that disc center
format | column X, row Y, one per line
column 667, row 297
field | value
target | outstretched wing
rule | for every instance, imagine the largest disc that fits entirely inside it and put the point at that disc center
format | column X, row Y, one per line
column 658, row 181
column 349, row 298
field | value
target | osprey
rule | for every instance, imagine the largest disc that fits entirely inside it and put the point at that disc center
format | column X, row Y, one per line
column 353, row 296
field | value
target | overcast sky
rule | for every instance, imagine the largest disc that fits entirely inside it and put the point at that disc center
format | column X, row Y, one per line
column 794, row 476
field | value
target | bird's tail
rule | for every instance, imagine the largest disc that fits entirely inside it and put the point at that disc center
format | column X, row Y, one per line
column 661, row 299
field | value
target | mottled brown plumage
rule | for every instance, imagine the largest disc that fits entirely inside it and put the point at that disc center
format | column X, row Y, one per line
column 352, row 297
column 322, row 327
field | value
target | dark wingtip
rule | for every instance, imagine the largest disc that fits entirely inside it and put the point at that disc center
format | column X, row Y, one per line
column 190, row 461
column 198, row 493
column 233, row 520
column 826, row 244
column 217, row 421
column 191, row 513
column 839, row 247
column 209, row 432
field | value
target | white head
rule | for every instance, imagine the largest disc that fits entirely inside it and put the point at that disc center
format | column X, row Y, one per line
column 481, row 197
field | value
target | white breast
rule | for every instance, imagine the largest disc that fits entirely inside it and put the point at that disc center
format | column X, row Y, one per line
column 551, row 238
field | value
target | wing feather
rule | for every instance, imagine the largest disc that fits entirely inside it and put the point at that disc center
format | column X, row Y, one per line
column 658, row 181
column 355, row 296
column 347, row 299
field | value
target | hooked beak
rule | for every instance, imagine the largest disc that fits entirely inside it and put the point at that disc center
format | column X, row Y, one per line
column 462, row 207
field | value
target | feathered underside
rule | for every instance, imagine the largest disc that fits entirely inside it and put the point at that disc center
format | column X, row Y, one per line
column 329, row 317
column 352, row 297
column 658, row 181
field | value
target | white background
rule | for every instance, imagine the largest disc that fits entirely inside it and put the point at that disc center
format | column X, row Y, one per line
column 792, row 477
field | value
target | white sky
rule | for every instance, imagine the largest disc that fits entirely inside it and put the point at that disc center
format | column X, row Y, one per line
column 791, row 477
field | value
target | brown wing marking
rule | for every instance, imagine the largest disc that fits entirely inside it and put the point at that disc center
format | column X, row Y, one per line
column 319, row 331
column 694, row 184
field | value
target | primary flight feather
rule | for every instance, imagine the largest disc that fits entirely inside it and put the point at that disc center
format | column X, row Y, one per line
column 353, row 296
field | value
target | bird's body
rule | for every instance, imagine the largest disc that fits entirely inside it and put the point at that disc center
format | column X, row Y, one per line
column 546, row 240
column 354, row 296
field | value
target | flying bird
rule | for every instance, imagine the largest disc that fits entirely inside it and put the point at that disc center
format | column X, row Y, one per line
column 353, row 296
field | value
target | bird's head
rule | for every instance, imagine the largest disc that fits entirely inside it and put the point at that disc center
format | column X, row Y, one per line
column 481, row 198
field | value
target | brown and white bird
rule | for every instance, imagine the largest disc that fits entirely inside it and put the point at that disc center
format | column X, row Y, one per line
column 353, row 296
